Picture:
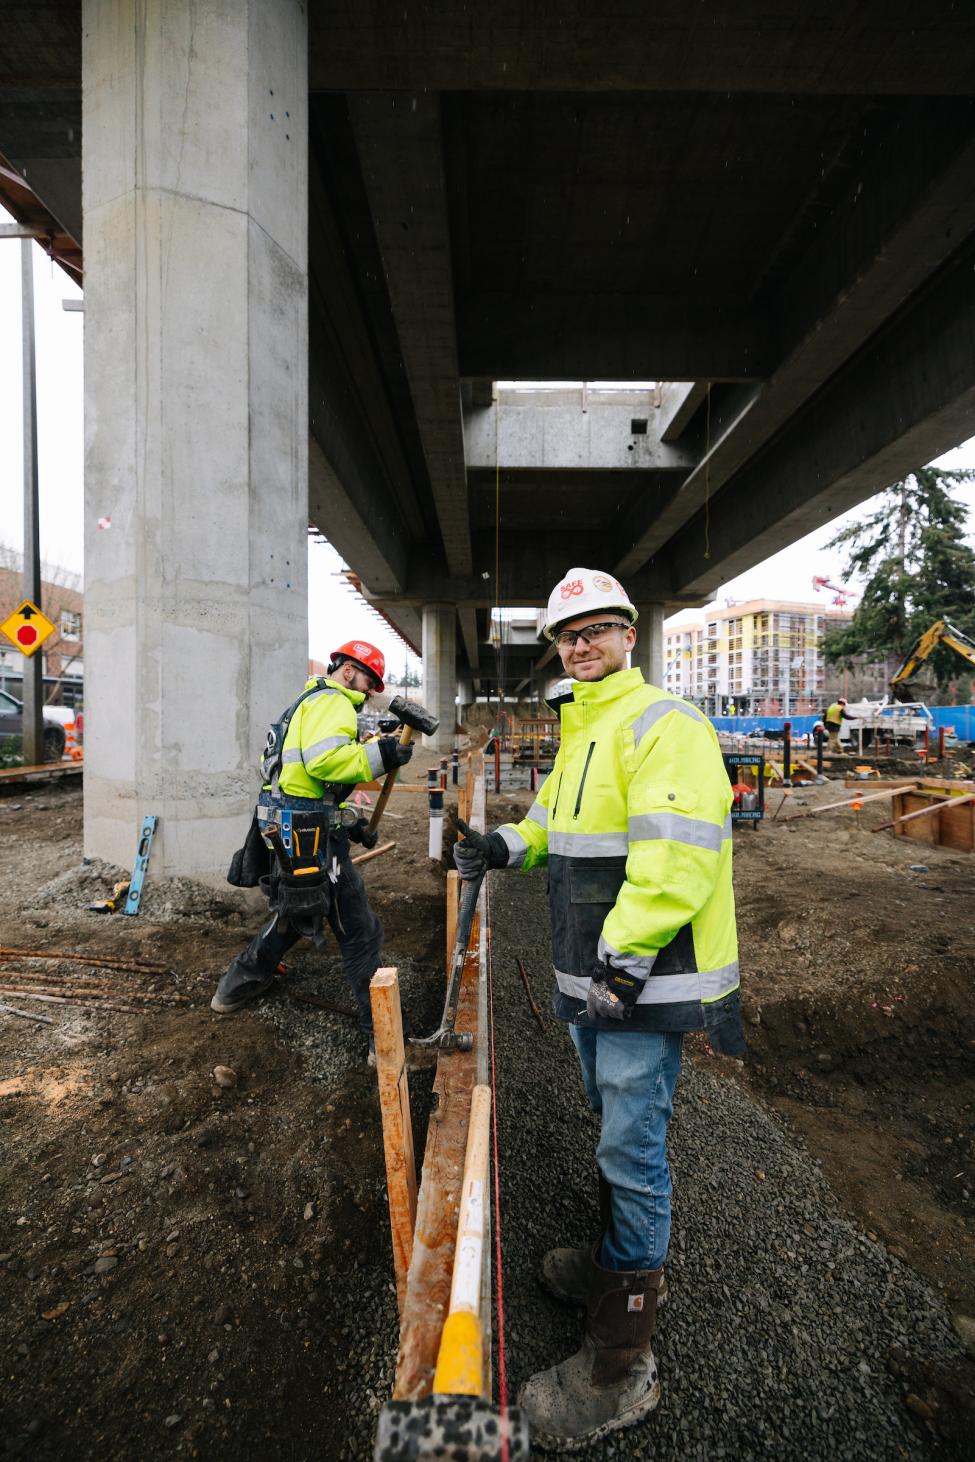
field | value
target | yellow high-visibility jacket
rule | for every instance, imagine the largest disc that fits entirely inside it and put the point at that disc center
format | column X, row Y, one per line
column 321, row 745
column 634, row 823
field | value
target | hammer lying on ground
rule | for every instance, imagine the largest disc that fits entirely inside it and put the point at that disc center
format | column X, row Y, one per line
column 412, row 717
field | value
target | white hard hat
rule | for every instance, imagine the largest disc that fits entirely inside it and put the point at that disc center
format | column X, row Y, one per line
column 585, row 591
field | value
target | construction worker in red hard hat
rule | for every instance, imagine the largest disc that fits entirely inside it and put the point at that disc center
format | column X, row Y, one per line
column 312, row 758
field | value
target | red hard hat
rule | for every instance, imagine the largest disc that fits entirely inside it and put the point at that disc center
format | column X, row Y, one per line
column 365, row 655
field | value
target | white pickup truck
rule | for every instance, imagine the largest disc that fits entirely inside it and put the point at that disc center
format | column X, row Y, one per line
column 902, row 722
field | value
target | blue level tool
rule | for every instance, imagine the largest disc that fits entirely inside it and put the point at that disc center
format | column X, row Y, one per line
column 134, row 897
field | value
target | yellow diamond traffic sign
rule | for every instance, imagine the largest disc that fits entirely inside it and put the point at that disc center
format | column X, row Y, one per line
column 27, row 628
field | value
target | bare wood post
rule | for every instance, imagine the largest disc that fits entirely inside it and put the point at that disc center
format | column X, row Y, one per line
column 453, row 897
column 394, row 1104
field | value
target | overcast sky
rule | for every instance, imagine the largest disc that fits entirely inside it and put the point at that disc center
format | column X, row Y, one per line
column 334, row 609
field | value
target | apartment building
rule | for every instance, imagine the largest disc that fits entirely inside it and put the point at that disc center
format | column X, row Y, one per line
column 761, row 657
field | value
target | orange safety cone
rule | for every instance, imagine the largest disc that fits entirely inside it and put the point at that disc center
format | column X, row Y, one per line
column 72, row 751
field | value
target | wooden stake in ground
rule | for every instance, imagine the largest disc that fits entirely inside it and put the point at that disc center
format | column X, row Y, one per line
column 394, row 1104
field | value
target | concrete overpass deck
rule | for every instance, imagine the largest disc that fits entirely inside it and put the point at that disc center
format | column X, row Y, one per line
column 766, row 208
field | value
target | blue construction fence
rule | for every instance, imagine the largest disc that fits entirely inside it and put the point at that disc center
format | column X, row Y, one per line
column 962, row 718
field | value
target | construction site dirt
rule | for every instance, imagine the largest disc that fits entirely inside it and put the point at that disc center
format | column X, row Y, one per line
column 192, row 1264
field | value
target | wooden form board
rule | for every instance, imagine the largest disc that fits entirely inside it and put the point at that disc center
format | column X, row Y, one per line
column 952, row 827
column 458, row 1072
column 432, row 1263
column 42, row 772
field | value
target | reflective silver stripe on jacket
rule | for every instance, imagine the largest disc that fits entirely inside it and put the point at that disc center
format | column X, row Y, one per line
column 374, row 757
column 538, row 813
column 588, row 845
column 652, row 715
column 635, row 964
column 318, row 748
column 517, row 847
column 705, row 985
column 694, row 831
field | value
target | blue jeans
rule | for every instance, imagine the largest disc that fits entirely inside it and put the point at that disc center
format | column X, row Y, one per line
column 630, row 1076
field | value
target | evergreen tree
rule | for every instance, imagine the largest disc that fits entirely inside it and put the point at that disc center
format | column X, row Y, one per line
column 918, row 568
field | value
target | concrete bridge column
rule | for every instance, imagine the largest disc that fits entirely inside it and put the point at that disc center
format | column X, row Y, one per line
column 440, row 671
column 648, row 652
column 196, row 413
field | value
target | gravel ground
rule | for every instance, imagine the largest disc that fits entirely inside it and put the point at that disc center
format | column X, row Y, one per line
column 778, row 1337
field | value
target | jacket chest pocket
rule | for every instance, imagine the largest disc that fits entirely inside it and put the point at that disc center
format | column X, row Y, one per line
column 582, row 892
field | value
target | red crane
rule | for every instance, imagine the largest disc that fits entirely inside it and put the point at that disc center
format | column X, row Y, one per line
column 840, row 594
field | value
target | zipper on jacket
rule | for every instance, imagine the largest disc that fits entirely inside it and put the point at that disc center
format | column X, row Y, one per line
column 558, row 792
column 585, row 773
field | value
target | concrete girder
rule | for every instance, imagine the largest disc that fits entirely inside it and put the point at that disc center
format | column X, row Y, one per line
column 569, row 430
column 749, row 46
column 339, row 512
column 611, row 337
column 908, row 397
column 529, row 568
column 678, row 402
column 904, row 215
column 468, row 629
column 400, row 148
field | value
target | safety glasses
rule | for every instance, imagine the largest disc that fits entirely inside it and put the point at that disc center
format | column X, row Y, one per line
column 590, row 633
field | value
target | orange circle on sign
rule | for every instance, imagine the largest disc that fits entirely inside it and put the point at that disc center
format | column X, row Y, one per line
column 26, row 635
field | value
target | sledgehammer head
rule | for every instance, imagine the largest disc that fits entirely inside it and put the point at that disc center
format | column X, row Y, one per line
column 448, row 1429
column 412, row 714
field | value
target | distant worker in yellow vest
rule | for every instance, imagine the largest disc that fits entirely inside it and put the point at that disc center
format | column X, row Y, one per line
column 835, row 717
column 633, row 826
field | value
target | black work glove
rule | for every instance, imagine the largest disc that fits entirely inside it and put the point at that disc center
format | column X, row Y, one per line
column 612, row 993
column 478, row 852
column 360, row 833
column 394, row 753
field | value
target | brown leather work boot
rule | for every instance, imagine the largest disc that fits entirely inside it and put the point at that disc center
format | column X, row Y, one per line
column 612, row 1381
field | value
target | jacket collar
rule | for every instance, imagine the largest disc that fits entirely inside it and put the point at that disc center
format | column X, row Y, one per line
column 355, row 696
column 611, row 688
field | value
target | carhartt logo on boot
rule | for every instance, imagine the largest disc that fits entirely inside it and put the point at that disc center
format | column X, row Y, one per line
column 635, row 1302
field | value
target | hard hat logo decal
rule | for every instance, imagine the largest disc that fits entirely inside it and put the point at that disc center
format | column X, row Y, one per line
column 570, row 588
column 362, row 649
column 601, row 582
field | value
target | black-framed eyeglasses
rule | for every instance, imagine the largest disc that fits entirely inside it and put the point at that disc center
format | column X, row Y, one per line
column 566, row 638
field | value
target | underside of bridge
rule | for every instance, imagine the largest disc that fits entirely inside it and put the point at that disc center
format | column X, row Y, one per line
column 757, row 220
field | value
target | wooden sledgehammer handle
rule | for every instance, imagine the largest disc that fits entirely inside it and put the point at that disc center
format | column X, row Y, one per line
column 405, row 738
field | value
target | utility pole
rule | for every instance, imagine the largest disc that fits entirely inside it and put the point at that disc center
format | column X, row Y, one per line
column 33, row 685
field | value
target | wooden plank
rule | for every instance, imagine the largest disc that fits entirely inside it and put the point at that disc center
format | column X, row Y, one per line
column 910, row 812
column 42, row 772
column 847, row 802
column 431, row 1267
column 460, row 1360
column 394, row 1104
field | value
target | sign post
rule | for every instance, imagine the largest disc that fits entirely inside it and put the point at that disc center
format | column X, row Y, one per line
column 33, row 743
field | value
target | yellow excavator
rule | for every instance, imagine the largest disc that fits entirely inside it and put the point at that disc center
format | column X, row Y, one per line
column 904, row 682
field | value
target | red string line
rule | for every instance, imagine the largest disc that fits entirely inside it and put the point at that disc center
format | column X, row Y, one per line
column 502, row 1371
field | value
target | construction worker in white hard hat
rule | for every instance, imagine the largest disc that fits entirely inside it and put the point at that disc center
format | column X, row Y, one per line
column 634, row 825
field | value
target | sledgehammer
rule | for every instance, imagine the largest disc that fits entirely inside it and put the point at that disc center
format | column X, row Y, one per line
column 449, row 1429
column 412, row 717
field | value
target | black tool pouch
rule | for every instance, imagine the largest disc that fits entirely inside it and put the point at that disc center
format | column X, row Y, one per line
column 250, row 863
column 302, row 903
